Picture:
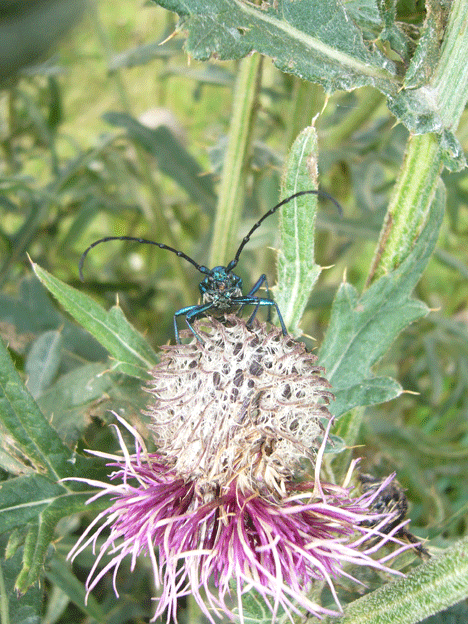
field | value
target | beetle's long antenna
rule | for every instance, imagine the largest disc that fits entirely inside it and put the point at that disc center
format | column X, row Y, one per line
column 246, row 238
column 180, row 254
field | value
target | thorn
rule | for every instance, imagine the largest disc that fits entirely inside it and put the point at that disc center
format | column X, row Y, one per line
column 171, row 36
column 327, row 98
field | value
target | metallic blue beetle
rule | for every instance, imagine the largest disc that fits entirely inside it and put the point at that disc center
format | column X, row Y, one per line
column 221, row 290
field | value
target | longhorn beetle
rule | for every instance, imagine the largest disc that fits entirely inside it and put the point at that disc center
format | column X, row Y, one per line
column 221, row 290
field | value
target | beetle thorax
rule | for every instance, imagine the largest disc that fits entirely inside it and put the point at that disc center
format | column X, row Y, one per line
column 221, row 288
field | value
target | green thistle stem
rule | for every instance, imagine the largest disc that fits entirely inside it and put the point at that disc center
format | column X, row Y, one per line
column 410, row 203
column 232, row 191
column 424, row 158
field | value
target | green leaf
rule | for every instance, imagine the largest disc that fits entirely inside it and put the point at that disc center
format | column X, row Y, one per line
column 172, row 158
column 208, row 74
column 417, row 111
column 391, row 32
column 255, row 611
column 25, row 423
column 440, row 73
column 24, row 610
column 69, row 399
column 297, row 270
column 27, row 30
column 456, row 614
column 37, row 502
column 363, row 327
column 143, row 54
column 453, row 155
column 131, row 352
column 315, row 40
column 43, row 362
column 23, row 499
column 33, row 311
column 425, row 56
column 58, row 508
column 365, row 13
column 91, row 391
column 433, row 586
column 370, row 391
column 59, row 573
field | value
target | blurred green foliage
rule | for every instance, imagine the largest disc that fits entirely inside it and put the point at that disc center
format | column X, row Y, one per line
column 117, row 135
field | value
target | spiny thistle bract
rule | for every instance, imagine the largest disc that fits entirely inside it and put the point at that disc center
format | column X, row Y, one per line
column 225, row 506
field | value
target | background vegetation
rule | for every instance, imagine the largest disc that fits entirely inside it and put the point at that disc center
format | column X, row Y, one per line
column 77, row 165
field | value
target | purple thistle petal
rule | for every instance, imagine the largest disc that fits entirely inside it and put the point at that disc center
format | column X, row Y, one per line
column 277, row 547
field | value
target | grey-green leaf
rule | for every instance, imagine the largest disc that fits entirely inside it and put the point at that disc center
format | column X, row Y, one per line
column 315, row 40
column 363, row 327
column 26, row 425
column 133, row 355
column 297, row 270
column 171, row 156
column 59, row 572
column 68, row 400
column 142, row 54
column 43, row 362
column 24, row 610
column 28, row 30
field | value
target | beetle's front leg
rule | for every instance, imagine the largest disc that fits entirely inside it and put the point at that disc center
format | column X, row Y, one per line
column 191, row 313
column 256, row 302
column 258, row 284
column 181, row 312
column 280, row 317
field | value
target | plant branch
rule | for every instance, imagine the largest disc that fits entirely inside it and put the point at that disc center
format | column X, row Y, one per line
column 232, row 191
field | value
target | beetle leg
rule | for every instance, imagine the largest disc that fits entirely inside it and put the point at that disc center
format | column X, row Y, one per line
column 262, row 280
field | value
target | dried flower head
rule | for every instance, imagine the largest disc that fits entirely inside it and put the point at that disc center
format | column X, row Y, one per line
column 246, row 404
column 233, row 419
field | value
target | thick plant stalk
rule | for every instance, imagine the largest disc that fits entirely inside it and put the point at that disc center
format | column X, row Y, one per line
column 232, row 191
column 450, row 79
column 411, row 200
column 425, row 154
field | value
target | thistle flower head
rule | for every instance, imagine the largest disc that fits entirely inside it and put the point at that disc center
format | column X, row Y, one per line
column 245, row 404
column 219, row 509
